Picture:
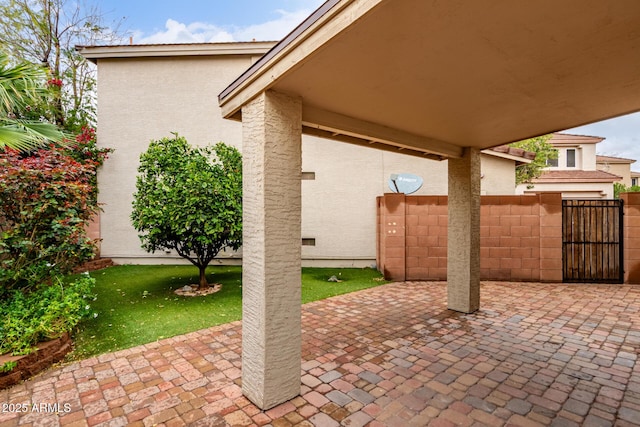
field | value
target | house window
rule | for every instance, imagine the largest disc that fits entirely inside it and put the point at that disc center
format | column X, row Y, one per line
column 634, row 181
column 553, row 163
column 571, row 158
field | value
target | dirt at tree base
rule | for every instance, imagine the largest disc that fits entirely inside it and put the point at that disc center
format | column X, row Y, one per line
column 193, row 291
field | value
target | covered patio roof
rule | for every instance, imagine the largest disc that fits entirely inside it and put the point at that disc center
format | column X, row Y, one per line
column 430, row 76
column 433, row 78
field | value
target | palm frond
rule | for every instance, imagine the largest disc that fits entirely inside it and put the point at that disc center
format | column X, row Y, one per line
column 23, row 85
column 25, row 135
column 20, row 85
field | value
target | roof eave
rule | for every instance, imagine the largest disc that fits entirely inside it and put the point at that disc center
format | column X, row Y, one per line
column 95, row 53
column 507, row 156
column 264, row 73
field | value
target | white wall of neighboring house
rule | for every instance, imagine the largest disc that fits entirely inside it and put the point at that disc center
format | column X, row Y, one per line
column 497, row 177
column 145, row 97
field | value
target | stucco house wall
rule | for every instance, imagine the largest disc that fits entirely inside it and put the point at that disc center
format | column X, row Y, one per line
column 146, row 96
column 617, row 166
column 620, row 169
column 498, row 176
column 142, row 100
column 339, row 205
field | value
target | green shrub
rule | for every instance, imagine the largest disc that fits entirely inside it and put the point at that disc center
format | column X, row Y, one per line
column 619, row 187
column 43, row 314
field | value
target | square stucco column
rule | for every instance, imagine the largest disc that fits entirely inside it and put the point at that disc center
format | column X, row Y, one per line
column 463, row 247
column 271, row 325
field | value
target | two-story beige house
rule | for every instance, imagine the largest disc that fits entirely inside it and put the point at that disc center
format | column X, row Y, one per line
column 145, row 92
column 576, row 172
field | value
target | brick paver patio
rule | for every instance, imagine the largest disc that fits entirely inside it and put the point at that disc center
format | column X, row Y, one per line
column 535, row 354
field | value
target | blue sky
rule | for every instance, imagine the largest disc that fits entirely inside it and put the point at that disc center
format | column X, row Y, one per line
column 192, row 21
column 153, row 21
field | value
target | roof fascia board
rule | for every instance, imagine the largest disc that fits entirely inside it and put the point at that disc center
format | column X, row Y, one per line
column 614, row 160
column 326, row 22
column 95, row 53
column 374, row 133
column 568, row 144
column 519, row 159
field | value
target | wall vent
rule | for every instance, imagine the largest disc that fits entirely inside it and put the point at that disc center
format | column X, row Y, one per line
column 308, row 176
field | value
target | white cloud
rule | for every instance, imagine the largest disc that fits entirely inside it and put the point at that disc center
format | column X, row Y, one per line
column 272, row 30
column 177, row 32
column 199, row 32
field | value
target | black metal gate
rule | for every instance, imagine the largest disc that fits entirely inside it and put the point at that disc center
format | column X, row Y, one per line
column 592, row 236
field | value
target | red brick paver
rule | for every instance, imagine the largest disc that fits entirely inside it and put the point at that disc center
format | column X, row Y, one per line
column 534, row 355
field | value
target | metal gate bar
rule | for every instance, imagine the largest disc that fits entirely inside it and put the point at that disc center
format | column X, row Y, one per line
column 592, row 237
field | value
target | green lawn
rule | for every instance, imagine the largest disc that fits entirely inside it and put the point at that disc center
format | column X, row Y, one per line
column 136, row 303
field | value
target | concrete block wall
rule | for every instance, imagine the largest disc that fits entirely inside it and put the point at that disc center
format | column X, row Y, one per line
column 510, row 238
column 520, row 237
column 631, row 210
column 391, row 236
column 426, row 237
column 550, row 237
column 93, row 232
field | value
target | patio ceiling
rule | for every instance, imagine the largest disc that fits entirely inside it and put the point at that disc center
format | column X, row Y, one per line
column 433, row 76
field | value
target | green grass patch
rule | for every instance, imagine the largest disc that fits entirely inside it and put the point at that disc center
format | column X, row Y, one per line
column 136, row 303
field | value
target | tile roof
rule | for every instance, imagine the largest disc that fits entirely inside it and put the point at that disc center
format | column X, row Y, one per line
column 611, row 159
column 578, row 139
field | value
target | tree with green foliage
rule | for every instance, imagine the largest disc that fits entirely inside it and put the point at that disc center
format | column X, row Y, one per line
column 527, row 172
column 619, row 187
column 46, row 33
column 21, row 87
column 189, row 200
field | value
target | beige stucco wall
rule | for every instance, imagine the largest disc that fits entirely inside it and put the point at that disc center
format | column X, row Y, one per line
column 621, row 169
column 339, row 205
column 498, row 175
column 587, row 160
column 144, row 99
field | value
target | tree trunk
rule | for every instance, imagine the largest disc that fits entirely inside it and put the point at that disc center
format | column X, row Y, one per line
column 203, row 278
